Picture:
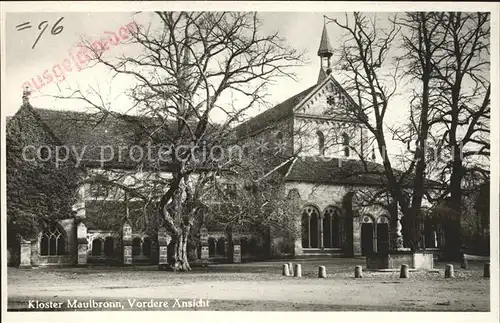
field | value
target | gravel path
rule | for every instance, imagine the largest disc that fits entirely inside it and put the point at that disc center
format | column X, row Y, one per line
column 259, row 286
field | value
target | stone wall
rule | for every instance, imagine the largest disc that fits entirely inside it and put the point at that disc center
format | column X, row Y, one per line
column 322, row 196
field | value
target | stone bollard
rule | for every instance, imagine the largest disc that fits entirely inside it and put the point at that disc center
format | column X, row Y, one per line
column 322, row 272
column 486, row 272
column 404, row 271
column 448, row 271
column 290, row 267
column 286, row 271
column 464, row 264
column 358, row 272
column 298, row 270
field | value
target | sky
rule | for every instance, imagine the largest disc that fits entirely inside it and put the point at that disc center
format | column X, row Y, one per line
column 302, row 30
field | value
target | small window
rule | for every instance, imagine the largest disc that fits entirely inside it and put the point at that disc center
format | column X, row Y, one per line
column 246, row 151
column 279, row 137
column 321, row 142
column 345, row 143
column 279, row 142
column 99, row 190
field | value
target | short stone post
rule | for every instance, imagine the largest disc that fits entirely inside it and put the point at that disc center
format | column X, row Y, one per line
column 464, row 264
column 286, row 270
column 404, row 271
column 321, row 272
column 298, row 270
column 204, row 244
column 290, row 266
column 358, row 272
column 127, row 243
column 486, row 272
column 81, row 240
column 25, row 254
column 448, row 271
column 236, row 251
column 163, row 241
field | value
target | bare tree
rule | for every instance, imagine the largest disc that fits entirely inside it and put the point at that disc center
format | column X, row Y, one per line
column 372, row 75
column 461, row 119
column 444, row 62
column 187, row 70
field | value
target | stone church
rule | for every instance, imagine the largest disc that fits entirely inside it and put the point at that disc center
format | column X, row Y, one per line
column 324, row 178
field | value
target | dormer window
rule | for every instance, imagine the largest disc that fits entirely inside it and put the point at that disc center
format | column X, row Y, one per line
column 321, row 142
column 345, row 144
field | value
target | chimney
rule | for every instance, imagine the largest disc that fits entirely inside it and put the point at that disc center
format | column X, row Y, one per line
column 26, row 95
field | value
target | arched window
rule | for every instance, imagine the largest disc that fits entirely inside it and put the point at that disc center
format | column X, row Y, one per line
column 211, row 246
column 52, row 243
column 310, row 227
column 333, row 228
column 246, row 151
column 136, row 246
column 253, row 247
column 244, row 245
column 96, row 247
column 220, row 247
column 321, row 142
column 345, row 144
column 146, row 246
column 108, row 246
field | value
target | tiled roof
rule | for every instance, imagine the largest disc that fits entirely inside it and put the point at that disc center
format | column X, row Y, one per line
column 273, row 115
column 88, row 133
column 341, row 171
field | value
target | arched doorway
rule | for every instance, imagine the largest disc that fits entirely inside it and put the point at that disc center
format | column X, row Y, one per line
column 108, row 246
column 367, row 236
column 136, row 246
column 310, row 227
column 333, row 228
column 211, row 246
column 220, row 248
column 96, row 247
column 383, row 235
column 146, row 247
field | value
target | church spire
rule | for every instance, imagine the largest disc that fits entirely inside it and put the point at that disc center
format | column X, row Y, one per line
column 325, row 52
column 325, row 47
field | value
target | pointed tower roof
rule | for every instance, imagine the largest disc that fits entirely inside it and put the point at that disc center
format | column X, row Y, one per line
column 325, row 47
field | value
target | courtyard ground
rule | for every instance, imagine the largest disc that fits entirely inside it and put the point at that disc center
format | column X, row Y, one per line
column 257, row 286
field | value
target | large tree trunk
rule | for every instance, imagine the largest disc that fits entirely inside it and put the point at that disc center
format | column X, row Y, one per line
column 180, row 259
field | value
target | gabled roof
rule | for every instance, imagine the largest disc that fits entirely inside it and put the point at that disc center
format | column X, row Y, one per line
column 88, row 135
column 273, row 115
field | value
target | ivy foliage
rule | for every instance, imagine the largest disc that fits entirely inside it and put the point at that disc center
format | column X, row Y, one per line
column 38, row 193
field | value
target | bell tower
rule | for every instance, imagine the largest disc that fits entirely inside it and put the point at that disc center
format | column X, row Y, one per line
column 325, row 52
